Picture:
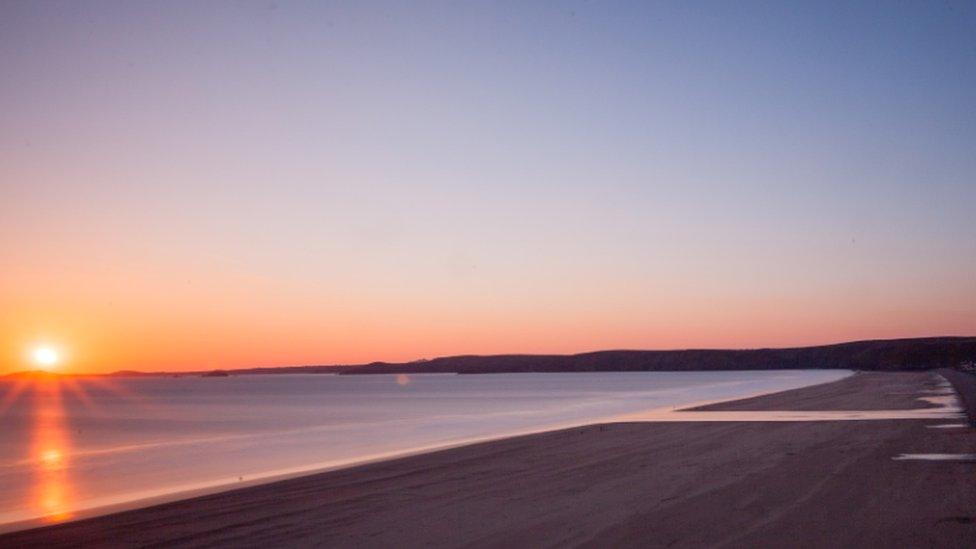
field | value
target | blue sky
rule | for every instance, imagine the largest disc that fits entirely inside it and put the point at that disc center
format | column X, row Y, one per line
column 350, row 181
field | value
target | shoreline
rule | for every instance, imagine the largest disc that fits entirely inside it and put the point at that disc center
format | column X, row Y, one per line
column 965, row 386
column 228, row 485
column 369, row 496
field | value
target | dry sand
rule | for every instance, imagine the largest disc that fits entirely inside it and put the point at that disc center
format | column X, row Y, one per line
column 732, row 484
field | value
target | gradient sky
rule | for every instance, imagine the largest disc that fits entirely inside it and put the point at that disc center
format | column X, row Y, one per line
column 199, row 185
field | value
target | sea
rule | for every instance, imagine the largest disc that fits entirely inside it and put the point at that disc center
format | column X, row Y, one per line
column 75, row 447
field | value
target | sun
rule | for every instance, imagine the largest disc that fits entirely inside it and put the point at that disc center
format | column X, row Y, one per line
column 46, row 358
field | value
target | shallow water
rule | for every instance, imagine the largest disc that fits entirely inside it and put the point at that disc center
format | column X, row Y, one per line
column 71, row 445
column 945, row 407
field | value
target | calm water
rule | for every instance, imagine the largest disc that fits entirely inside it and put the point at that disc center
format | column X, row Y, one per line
column 67, row 446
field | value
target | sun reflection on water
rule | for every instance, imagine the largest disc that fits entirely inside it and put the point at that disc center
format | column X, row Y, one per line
column 49, row 451
column 44, row 397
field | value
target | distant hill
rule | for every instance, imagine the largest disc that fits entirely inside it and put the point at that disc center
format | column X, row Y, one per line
column 240, row 371
column 32, row 374
column 889, row 354
column 893, row 354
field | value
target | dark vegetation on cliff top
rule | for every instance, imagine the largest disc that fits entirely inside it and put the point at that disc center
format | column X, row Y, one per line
column 899, row 354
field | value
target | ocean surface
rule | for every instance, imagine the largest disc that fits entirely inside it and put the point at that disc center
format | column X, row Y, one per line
column 68, row 446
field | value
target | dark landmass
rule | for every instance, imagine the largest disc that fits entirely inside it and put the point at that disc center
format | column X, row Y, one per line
column 703, row 484
column 264, row 370
column 877, row 355
column 331, row 369
column 136, row 373
column 882, row 355
column 32, row 374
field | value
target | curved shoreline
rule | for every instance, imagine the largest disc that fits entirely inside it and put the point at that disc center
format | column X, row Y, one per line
column 755, row 483
column 965, row 386
column 142, row 500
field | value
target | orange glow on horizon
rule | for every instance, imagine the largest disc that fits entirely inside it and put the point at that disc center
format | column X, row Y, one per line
column 247, row 323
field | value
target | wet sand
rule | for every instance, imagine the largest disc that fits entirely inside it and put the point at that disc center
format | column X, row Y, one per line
column 732, row 484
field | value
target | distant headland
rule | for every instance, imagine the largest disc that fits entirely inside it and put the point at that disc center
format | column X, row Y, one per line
column 879, row 355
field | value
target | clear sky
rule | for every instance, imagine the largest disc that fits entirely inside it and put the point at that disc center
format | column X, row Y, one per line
column 203, row 184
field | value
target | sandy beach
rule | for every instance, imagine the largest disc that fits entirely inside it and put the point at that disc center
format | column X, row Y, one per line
column 692, row 484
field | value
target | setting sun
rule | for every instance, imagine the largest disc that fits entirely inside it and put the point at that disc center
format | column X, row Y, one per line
column 45, row 357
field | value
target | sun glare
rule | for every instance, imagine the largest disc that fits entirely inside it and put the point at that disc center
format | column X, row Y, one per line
column 45, row 357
